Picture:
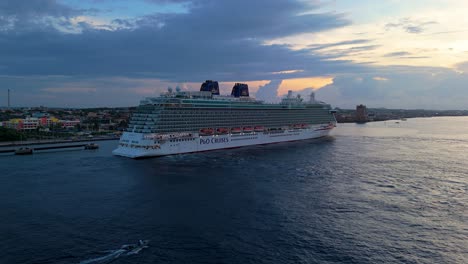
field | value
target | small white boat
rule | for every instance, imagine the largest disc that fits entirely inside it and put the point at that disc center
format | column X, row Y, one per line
column 24, row 151
column 91, row 146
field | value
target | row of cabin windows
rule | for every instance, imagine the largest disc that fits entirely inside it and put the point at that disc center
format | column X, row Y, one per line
column 271, row 118
column 235, row 116
column 183, row 139
column 225, row 113
column 222, row 124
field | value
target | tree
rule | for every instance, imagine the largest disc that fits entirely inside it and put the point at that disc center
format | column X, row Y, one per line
column 8, row 134
column 123, row 124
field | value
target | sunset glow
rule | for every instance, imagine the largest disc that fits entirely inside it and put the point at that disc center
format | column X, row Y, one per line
column 351, row 52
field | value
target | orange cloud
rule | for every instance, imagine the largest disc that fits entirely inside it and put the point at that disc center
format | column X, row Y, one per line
column 253, row 86
column 302, row 83
column 378, row 78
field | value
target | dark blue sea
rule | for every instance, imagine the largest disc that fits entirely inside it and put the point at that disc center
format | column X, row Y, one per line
column 382, row 192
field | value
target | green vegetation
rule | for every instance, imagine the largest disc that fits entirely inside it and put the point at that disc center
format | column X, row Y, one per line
column 7, row 134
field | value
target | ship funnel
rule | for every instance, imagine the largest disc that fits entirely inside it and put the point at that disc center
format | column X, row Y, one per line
column 312, row 97
column 210, row 86
column 240, row 90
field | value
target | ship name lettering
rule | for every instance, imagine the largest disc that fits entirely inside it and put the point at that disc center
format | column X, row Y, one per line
column 213, row 141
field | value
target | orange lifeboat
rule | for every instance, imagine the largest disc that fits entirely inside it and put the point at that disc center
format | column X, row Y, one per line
column 206, row 131
column 221, row 130
column 235, row 130
column 259, row 129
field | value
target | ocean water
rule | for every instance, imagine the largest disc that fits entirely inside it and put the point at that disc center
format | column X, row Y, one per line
column 381, row 192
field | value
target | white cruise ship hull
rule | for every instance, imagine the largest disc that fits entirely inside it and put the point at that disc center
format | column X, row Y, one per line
column 140, row 145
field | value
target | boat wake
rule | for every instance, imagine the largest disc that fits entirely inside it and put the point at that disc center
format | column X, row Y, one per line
column 125, row 250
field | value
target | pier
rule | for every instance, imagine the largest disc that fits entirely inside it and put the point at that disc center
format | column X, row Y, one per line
column 26, row 150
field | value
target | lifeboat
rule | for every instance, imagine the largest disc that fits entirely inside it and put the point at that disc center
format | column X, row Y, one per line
column 221, row 130
column 297, row 126
column 259, row 129
column 304, row 126
column 206, row 131
column 248, row 129
column 235, row 130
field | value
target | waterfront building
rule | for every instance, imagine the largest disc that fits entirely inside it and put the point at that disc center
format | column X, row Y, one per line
column 32, row 123
column 69, row 123
column 361, row 114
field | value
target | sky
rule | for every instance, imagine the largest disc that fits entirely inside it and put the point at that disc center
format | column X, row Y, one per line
column 93, row 53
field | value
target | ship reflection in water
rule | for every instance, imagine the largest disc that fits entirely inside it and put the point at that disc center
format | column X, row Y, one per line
column 373, row 193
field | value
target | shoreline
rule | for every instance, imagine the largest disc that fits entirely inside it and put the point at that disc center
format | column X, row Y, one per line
column 53, row 141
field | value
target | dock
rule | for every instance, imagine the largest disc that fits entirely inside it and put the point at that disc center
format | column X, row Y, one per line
column 25, row 150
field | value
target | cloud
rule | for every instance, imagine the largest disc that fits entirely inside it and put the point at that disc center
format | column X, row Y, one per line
column 228, row 45
column 287, row 71
column 414, row 29
column 91, row 91
column 36, row 8
column 404, row 87
column 462, row 67
column 350, row 51
column 340, row 43
column 275, row 89
column 269, row 91
column 397, row 54
column 415, row 57
column 81, row 91
column 36, row 15
column 52, row 50
column 69, row 90
column 410, row 25
column 379, row 78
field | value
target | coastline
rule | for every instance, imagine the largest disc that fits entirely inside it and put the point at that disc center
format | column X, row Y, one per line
column 53, row 141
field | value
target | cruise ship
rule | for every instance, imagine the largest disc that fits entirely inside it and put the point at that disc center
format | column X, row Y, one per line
column 192, row 121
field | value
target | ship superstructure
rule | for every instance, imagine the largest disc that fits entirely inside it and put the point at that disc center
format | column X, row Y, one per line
column 191, row 121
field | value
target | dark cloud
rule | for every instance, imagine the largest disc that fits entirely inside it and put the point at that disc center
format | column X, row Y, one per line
column 363, row 48
column 415, row 57
column 414, row 29
column 341, row 43
column 410, row 25
column 22, row 16
column 216, row 39
column 78, row 91
column 35, row 8
column 355, row 50
column 170, row 1
column 224, row 40
column 397, row 54
column 262, row 19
